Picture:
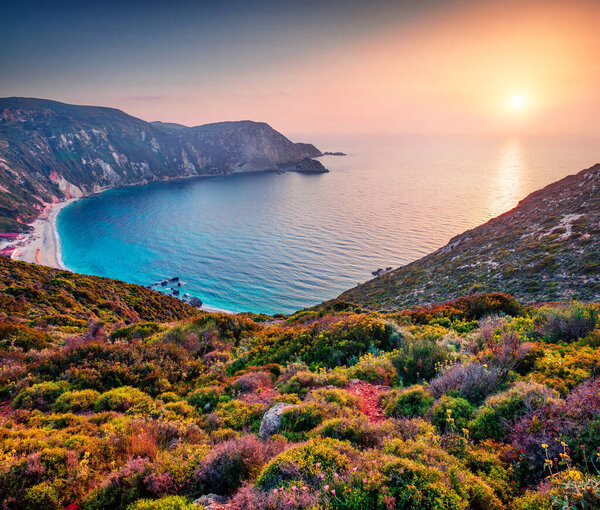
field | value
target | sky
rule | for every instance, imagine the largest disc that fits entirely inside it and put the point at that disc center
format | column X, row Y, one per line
column 307, row 66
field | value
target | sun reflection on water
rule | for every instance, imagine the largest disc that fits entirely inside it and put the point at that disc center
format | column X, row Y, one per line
column 507, row 187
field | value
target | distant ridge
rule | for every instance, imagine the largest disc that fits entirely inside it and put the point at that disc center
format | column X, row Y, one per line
column 545, row 249
column 52, row 151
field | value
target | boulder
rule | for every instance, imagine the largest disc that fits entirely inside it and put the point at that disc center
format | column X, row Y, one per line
column 271, row 420
column 194, row 301
column 211, row 501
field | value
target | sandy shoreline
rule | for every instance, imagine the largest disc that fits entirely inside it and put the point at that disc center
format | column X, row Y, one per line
column 45, row 238
column 42, row 245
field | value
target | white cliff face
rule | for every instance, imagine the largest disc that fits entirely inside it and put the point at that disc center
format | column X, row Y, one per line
column 69, row 189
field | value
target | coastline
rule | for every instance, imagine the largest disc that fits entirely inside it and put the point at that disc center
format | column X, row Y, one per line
column 44, row 237
column 42, row 245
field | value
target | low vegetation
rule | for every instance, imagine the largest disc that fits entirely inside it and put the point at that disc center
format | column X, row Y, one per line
column 474, row 404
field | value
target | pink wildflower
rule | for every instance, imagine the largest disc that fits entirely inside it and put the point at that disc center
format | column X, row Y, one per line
column 333, row 491
column 335, row 475
column 326, row 488
column 318, row 464
column 275, row 491
column 355, row 469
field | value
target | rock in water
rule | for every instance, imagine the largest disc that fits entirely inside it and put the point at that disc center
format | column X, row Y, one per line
column 194, row 301
column 271, row 420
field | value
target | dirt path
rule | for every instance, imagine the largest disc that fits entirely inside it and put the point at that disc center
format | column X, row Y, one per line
column 369, row 395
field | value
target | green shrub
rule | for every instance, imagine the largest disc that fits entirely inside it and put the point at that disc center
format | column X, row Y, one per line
column 414, row 401
column 166, row 503
column 493, row 419
column 39, row 396
column 300, row 383
column 239, row 415
column 121, row 399
column 43, row 495
column 300, row 462
column 140, row 330
column 454, row 410
column 569, row 323
column 417, row 359
column 375, row 369
column 335, row 396
column 301, row 418
column 76, row 401
column 359, row 431
column 202, row 397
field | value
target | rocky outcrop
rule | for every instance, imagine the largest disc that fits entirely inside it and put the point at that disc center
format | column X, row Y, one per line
column 271, row 420
column 211, row 501
column 51, row 151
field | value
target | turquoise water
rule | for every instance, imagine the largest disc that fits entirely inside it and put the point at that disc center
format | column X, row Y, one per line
column 279, row 242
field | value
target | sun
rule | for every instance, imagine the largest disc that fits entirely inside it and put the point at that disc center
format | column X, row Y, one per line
column 518, row 102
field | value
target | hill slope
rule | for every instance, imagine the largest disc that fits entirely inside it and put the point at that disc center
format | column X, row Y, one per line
column 50, row 151
column 545, row 249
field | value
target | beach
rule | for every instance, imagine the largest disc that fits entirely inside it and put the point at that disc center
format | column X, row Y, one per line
column 42, row 245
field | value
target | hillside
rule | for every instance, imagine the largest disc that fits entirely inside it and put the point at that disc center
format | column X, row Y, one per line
column 545, row 249
column 105, row 403
column 50, row 151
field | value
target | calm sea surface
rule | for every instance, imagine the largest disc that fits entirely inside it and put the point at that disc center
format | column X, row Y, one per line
column 276, row 243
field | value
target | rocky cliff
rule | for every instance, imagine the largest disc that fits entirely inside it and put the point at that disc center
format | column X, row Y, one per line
column 545, row 249
column 50, row 151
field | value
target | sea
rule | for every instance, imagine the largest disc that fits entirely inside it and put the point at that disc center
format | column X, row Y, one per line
column 279, row 242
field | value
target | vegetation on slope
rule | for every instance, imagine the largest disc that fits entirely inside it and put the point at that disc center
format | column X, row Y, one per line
column 480, row 403
column 546, row 249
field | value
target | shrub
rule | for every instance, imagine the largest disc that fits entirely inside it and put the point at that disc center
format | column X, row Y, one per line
column 335, row 396
column 23, row 337
column 39, row 396
column 120, row 488
column 473, row 307
column 375, row 369
column 456, row 409
column 166, row 503
column 359, row 431
column 417, row 359
column 567, row 324
column 139, row 330
column 473, row 381
column 414, row 401
column 299, row 383
column 43, row 495
column 251, row 381
column 239, row 415
column 492, row 420
column 301, row 418
column 300, row 463
column 200, row 398
column 121, row 399
column 76, row 401
column 229, row 464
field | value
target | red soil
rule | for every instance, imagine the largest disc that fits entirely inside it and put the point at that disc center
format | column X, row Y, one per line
column 369, row 395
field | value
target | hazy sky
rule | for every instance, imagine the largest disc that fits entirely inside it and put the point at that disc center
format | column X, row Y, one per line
column 315, row 66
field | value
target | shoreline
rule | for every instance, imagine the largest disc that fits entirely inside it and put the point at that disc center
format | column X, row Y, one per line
column 44, row 237
column 42, row 245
